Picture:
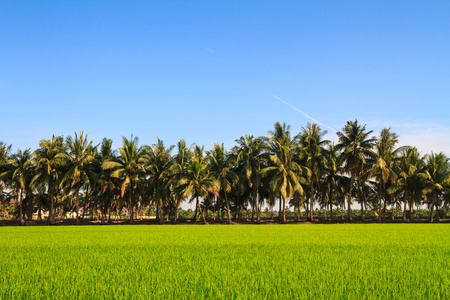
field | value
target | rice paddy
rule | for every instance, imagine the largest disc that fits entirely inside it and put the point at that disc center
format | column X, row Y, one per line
column 388, row 261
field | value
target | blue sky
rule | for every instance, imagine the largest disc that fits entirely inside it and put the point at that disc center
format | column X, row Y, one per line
column 212, row 71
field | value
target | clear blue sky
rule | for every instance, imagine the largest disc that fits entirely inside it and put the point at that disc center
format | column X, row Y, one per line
column 209, row 71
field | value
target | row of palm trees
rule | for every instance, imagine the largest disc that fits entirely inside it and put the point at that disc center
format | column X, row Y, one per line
column 302, row 171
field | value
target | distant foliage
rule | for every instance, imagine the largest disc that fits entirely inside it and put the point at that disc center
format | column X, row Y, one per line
column 290, row 176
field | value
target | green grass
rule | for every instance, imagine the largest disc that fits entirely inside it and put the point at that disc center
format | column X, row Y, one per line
column 394, row 261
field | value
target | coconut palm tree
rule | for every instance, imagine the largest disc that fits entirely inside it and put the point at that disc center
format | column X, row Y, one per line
column 197, row 181
column 5, row 161
column 19, row 175
column 221, row 164
column 437, row 178
column 356, row 147
column 284, row 172
column 312, row 145
column 364, row 189
column 332, row 176
column 249, row 156
column 78, row 156
column 410, row 177
column 102, row 176
column 48, row 168
column 158, row 162
column 129, row 168
column 5, row 151
column 177, row 172
column 383, row 166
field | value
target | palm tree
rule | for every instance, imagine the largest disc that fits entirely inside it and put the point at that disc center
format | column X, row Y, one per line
column 78, row 156
column 48, row 168
column 177, row 172
column 331, row 176
column 437, row 174
column 385, row 155
column 249, row 155
column 129, row 168
column 284, row 172
column 102, row 176
column 356, row 147
column 410, row 177
column 5, row 161
column 158, row 161
column 197, row 181
column 19, row 174
column 220, row 163
column 312, row 146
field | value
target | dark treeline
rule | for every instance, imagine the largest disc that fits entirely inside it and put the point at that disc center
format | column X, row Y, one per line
column 64, row 178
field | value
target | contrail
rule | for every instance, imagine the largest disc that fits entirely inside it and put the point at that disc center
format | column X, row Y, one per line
column 303, row 113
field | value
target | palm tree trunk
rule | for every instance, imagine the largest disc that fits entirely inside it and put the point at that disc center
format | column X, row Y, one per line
column 331, row 211
column 431, row 212
column 307, row 208
column 194, row 219
column 102, row 203
column 253, row 211
column 436, row 205
column 30, row 208
column 380, row 204
column 361, row 198
column 411, row 209
column 85, row 204
column 284, row 209
column 228, row 208
column 51, row 213
column 52, row 202
column 255, row 192
column 279, row 212
column 130, row 206
column 349, row 209
column 20, row 207
column 40, row 211
column 77, row 221
column 217, row 207
column 331, row 204
column 201, row 212
column 214, row 207
column 391, row 200
column 311, row 207
column 404, row 206
column 432, row 207
column 161, row 221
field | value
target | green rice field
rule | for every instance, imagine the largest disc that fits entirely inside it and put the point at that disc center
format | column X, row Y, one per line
column 387, row 261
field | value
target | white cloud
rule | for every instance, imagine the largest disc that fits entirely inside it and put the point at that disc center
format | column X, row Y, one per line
column 426, row 136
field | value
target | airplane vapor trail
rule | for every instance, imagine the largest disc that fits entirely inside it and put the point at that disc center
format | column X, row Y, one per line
column 303, row 113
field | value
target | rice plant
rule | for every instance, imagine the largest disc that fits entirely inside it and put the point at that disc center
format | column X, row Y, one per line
column 389, row 261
